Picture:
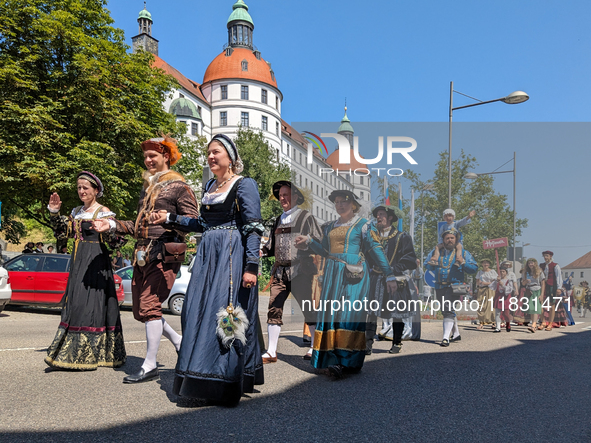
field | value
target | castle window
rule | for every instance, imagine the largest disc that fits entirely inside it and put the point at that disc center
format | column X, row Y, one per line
column 244, row 65
column 244, row 92
column 224, row 92
column 199, row 111
column 276, row 102
column 223, row 118
column 264, row 125
column 194, row 128
column 264, row 96
column 244, row 119
column 277, row 128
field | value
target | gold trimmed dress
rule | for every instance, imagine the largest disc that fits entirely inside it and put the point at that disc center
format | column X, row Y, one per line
column 89, row 334
column 340, row 333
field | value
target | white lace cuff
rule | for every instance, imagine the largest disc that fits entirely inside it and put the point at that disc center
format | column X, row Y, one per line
column 53, row 211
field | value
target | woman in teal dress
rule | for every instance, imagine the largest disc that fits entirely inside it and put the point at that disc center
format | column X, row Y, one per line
column 339, row 340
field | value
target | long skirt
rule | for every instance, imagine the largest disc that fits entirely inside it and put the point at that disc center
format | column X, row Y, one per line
column 486, row 313
column 89, row 334
column 521, row 314
column 340, row 335
column 206, row 369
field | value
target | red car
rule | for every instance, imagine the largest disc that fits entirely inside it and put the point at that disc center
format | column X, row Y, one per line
column 41, row 279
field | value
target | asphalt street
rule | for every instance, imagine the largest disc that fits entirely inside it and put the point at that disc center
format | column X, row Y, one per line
column 489, row 387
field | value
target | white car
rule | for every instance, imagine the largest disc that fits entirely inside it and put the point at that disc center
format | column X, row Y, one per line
column 5, row 290
column 177, row 294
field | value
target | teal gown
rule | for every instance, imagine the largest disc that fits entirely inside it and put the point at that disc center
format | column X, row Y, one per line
column 340, row 335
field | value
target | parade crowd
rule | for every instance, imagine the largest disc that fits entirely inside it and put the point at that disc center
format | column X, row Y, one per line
column 350, row 259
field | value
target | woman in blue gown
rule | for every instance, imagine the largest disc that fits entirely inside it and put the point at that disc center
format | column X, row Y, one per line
column 224, row 271
column 339, row 340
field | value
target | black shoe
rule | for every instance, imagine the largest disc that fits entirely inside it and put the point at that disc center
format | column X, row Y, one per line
column 395, row 349
column 367, row 351
column 142, row 376
column 497, row 330
column 336, row 371
column 454, row 339
column 444, row 343
column 307, row 340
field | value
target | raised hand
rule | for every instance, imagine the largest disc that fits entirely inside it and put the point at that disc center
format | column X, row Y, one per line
column 101, row 225
column 158, row 217
column 54, row 202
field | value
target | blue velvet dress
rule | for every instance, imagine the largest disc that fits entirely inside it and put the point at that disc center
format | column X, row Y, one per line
column 340, row 335
column 229, row 247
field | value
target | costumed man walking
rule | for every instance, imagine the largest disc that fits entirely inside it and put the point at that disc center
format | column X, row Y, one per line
column 553, row 289
column 401, row 256
column 446, row 276
column 294, row 269
column 159, row 250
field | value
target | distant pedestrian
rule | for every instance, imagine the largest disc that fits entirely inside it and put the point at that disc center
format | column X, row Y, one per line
column 126, row 260
column 29, row 248
column 38, row 248
column 117, row 261
column 50, row 249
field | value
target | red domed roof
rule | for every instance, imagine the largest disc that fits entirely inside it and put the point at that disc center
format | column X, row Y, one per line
column 333, row 160
column 227, row 67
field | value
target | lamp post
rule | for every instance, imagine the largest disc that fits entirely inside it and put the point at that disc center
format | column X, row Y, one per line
column 426, row 187
column 511, row 99
column 473, row 175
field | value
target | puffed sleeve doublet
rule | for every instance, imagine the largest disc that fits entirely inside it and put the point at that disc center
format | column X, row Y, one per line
column 249, row 208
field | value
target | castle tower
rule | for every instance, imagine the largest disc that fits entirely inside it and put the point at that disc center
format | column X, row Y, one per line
column 144, row 39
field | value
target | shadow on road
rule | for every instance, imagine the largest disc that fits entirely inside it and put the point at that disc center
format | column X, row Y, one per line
column 519, row 393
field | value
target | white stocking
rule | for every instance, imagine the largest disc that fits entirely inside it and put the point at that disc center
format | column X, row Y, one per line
column 171, row 334
column 274, row 331
column 448, row 325
column 456, row 329
column 153, row 336
column 312, row 330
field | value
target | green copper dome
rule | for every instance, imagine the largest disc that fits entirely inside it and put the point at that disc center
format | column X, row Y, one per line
column 145, row 14
column 345, row 124
column 240, row 12
column 181, row 107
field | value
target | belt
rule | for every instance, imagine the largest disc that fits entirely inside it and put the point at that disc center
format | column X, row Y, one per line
column 214, row 228
column 287, row 263
column 147, row 241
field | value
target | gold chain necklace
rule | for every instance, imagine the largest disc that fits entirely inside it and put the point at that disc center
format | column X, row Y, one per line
column 220, row 186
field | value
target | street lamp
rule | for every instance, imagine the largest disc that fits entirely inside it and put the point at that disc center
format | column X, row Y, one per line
column 512, row 99
column 426, row 187
column 473, row 175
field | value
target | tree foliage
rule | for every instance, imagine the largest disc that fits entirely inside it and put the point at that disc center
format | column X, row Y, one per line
column 494, row 216
column 261, row 164
column 72, row 98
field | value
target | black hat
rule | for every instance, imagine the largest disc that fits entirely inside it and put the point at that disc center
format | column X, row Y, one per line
column 344, row 193
column 390, row 210
column 294, row 190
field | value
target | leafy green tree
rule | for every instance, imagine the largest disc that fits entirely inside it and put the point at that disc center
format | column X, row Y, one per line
column 494, row 215
column 261, row 164
column 72, row 98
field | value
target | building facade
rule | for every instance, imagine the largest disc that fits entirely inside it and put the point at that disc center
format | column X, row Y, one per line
column 239, row 88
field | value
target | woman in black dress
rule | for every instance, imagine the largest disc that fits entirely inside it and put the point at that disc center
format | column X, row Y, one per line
column 89, row 334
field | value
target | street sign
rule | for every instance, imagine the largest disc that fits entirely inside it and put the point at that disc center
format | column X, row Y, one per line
column 430, row 278
column 495, row 243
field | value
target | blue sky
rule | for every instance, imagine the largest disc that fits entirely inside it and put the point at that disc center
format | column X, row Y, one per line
column 393, row 61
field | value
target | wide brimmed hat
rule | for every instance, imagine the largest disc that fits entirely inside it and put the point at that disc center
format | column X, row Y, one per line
column 390, row 209
column 294, row 190
column 344, row 193
column 548, row 252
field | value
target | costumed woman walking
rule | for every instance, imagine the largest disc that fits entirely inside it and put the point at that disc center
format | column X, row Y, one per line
column 532, row 279
column 339, row 339
column 503, row 287
column 220, row 357
column 90, row 333
column 485, row 294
